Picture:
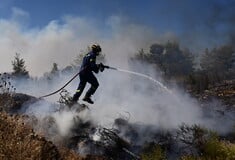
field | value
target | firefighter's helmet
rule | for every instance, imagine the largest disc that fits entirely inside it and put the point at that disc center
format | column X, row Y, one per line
column 96, row 48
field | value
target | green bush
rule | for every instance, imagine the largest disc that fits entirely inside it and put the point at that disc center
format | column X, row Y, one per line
column 214, row 149
column 189, row 158
column 154, row 153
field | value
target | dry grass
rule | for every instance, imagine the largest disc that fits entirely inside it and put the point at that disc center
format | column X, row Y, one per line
column 18, row 141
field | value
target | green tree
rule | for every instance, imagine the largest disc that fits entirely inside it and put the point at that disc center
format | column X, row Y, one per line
column 177, row 62
column 142, row 56
column 218, row 63
column 171, row 59
column 19, row 68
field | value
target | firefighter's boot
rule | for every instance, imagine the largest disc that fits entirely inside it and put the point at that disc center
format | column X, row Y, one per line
column 88, row 99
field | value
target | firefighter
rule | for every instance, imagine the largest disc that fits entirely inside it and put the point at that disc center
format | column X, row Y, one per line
column 86, row 74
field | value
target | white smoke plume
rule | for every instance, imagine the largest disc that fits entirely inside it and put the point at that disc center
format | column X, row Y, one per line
column 62, row 40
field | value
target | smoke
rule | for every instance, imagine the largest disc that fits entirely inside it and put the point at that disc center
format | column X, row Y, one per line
column 60, row 41
column 54, row 120
column 136, row 98
column 147, row 107
column 146, row 103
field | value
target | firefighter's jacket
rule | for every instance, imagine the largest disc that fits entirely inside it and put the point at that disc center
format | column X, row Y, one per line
column 89, row 63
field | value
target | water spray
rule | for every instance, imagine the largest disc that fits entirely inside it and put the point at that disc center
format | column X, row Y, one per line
column 143, row 75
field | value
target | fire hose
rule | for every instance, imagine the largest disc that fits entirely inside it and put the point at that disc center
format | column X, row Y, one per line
column 113, row 68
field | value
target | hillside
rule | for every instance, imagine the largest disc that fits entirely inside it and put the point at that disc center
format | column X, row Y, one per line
column 27, row 137
column 224, row 91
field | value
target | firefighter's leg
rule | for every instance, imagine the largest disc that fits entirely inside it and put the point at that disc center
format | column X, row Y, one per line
column 94, row 85
column 79, row 90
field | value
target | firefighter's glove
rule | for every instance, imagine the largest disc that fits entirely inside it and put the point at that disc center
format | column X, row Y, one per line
column 101, row 67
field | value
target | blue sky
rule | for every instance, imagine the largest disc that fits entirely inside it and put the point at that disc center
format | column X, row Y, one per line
column 162, row 15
